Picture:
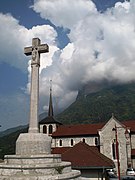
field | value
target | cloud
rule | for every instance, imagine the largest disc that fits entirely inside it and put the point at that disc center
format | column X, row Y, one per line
column 101, row 45
column 15, row 37
column 62, row 12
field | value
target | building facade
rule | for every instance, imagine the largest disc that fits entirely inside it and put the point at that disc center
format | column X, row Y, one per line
column 114, row 140
column 105, row 136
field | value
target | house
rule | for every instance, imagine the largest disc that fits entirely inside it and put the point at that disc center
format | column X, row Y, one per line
column 87, row 159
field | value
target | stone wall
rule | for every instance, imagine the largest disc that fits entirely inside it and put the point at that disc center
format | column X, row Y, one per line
column 66, row 141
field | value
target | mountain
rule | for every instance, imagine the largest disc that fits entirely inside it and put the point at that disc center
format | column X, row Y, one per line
column 98, row 106
column 11, row 130
column 94, row 103
column 7, row 142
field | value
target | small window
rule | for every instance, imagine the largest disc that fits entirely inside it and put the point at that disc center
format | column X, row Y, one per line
column 83, row 140
column 44, row 129
column 72, row 142
column 114, row 150
column 96, row 142
column 50, row 129
column 60, row 142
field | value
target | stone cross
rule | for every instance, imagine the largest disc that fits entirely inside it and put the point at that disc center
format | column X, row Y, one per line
column 35, row 50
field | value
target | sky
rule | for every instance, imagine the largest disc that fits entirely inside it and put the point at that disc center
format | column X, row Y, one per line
column 89, row 41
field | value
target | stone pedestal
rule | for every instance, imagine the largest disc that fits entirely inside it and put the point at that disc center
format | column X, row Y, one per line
column 33, row 143
column 34, row 161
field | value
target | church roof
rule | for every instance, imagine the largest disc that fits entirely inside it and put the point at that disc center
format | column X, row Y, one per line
column 77, row 130
column 49, row 120
column 84, row 156
column 130, row 124
column 86, row 129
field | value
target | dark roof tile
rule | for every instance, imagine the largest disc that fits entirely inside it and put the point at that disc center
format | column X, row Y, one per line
column 83, row 155
column 77, row 130
column 130, row 124
column 49, row 120
column 86, row 129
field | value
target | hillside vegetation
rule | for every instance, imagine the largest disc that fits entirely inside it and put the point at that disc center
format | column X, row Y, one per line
column 99, row 106
column 7, row 143
column 92, row 108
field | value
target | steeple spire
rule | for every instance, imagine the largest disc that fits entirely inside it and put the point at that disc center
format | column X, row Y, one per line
column 50, row 111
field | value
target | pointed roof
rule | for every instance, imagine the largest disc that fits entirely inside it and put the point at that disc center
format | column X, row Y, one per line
column 113, row 121
column 84, row 156
column 50, row 111
column 50, row 119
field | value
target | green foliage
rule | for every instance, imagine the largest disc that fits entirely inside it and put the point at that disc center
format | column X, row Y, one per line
column 98, row 107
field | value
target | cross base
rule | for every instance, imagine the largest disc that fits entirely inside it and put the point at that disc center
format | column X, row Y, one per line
column 33, row 144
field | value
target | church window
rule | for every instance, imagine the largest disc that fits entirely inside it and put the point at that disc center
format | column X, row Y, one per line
column 50, row 129
column 72, row 142
column 44, row 129
column 114, row 149
column 60, row 142
column 96, row 141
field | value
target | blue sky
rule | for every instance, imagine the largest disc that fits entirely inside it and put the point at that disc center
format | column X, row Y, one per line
column 88, row 43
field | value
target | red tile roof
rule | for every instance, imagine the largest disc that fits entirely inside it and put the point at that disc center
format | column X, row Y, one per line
column 60, row 150
column 86, row 129
column 130, row 124
column 77, row 130
column 84, row 156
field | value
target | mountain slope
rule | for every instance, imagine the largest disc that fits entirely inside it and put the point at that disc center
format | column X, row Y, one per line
column 98, row 106
column 7, row 143
column 91, row 108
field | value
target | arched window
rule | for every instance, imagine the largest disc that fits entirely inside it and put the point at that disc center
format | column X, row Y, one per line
column 60, row 142
column 50, row 129
column 114, row 149
column 83, row 140
column 44, row 129
column 72, row 142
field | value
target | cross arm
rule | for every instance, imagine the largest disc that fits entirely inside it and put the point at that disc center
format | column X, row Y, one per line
column 43, row 48
column 28, row 51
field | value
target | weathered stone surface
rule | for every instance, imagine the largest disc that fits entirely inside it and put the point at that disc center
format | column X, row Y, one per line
column 35, row 50
column 33, row 143
column 16, row 167
column 33, row 159
column 73, row 175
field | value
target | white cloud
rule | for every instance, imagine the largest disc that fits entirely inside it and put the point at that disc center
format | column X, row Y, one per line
column 62, row 12
column 15, row 37
column 101, row 45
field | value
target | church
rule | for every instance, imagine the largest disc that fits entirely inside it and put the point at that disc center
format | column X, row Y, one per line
column 92, row 148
